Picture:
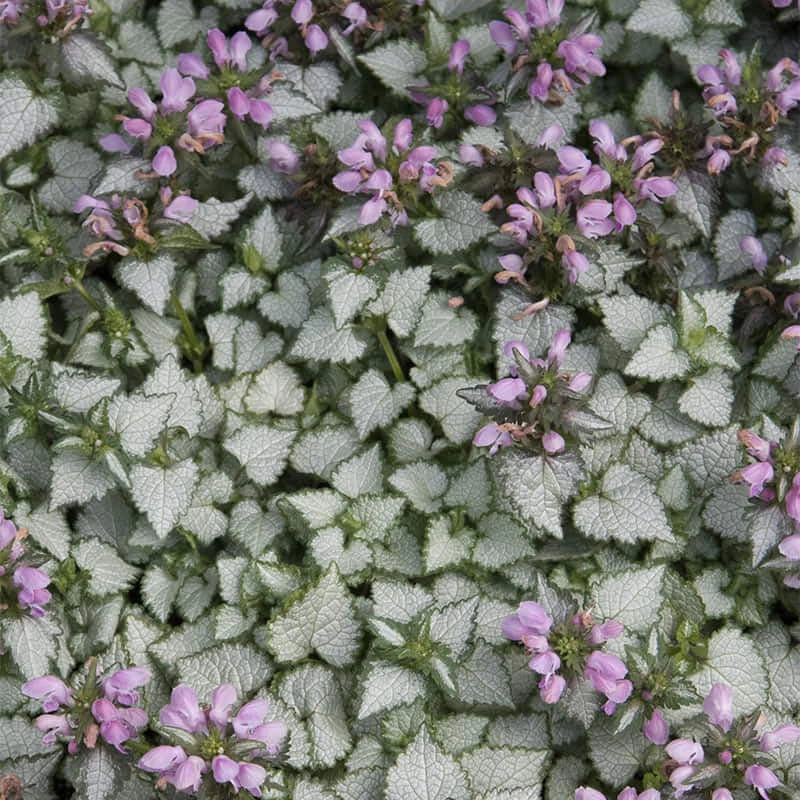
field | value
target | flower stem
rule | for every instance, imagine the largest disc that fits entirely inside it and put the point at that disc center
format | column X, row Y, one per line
column 195, row 348
column 391, row 356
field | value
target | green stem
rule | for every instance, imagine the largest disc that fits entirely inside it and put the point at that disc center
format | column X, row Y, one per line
column 82, row 291
column 397, row 370
column 243, row 138
column 195, row 345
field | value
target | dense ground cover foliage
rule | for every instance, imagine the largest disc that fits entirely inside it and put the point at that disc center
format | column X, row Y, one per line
column 399, row 399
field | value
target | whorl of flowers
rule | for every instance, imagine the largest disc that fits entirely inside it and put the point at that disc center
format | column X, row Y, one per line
column 628, row 793
column 241, row 88
column 316, row 25
column 104, row 708
column 535, row 398
column 458, row 95
column 584, row 201
column 120, row 224
column 544, row 53
column 733, row 753
column 395, row 178
column 226, row 744
column 568, row 649
column 177, row 123
column 55, row 17
column 22, row 588
column 749, row 104
column 774, row 477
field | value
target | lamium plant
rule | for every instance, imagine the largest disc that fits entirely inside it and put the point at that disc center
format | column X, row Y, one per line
column 399, row 400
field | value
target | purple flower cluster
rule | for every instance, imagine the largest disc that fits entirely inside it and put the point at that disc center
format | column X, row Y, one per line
column 529, row 394
column 392, row 177
column 775, row 464
column 315, row 26
column 22, row 588
column 118, row 221
column 230, row 58
column 85, row 714
column 314, row 37
column 592, row 199
column 59, row 16
column 176, row 122
column 748, row 106
column 461, row 95
column 733, row 754
column 628, row 793
column 538, row 42
column 220, row 741
column 573, row 646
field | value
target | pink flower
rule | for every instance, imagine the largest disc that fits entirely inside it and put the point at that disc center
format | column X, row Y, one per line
column 551, row 135
column 164, row 162
column 785, row 733
column 789, row 548
column 470, row 155
column 531, row 618
column 206, row 122
column 575, row 263
column 595, row 180
column 756, row 475
column 51, row 689
column 181, row 209
column 119, row 687
column 435, row 112
column 718, row 161
column 32, row 594
column 592, row 219
column 225, row 771
column 184, row 711
column 561, row 341
column 551, row 687
column 493, row 437
column 249, row 717
column 316, row 39
column 508, row 391
column 553, row 443
column 656, row 728
column 585, row 793
column 163, row 759
column 685, row 751
column 539, row 88
column 624, row 212
column 792, row 332
column 655, row 189
column 176, row 91
column 458, row 55
column 190, row 64
column 356, row 14
column 480, row 115
column 189, row 774
column 251, row 777
column 238, row 102
column 403, row 136
column 761, row 778
column 222, row 701
column 718, row 706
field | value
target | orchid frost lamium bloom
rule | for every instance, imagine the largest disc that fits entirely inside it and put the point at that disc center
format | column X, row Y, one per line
column 227, row 745
column 104, row 708
column 734, row 754
column 22, row 588
column 568, row 649
column 536, row 397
